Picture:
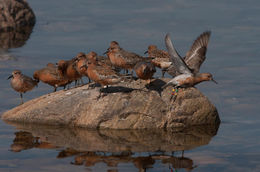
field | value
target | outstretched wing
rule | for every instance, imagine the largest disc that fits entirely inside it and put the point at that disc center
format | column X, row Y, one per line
column 175, row 58
column 197, row 53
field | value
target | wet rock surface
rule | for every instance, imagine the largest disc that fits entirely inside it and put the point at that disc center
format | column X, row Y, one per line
column 129, row 105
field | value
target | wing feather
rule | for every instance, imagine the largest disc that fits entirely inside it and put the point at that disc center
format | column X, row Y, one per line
column 175, row 58
column 197, row 53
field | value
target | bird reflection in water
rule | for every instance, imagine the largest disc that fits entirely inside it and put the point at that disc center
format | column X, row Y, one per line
column 142, row 150
column 24, row 140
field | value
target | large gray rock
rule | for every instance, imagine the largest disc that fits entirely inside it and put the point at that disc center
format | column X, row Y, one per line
column 15, row 14
column 125, row 106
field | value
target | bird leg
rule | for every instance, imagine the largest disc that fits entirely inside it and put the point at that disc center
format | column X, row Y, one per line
column 163, row 72
column 21, row 95
column 82, row 83
column 174, row 93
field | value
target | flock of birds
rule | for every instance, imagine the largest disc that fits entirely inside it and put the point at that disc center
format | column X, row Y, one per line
column 105, row 71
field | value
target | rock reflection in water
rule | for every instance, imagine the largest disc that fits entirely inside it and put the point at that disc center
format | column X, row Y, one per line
column 112, row 147
column 14, row 38
column 5, row 55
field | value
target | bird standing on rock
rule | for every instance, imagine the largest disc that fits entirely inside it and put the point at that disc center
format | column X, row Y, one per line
column 22, row 83
column 145, row 70
column 122, row 58
column 189, row 70
column 161, row 58
column 70, row 69
column 52, row 75
column 101, row 74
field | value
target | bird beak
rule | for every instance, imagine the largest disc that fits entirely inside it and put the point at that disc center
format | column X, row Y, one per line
column 214, row 81
column 146, row 52
column 106, row 51
column 10, row 77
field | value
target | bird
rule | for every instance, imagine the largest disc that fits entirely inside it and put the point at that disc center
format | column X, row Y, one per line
column 81, row 62
column 161, row 58
column 188, row 68
column 101, row 74
column 22, row 83
column 145, row 70
column 122, row 58
column 70, row 69
column 52, row 75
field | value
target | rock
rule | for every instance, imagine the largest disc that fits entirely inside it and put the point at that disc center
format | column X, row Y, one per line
column 16, row 20
column 129, row 105
column 15, row 14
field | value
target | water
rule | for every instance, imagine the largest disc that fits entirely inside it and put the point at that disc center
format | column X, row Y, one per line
column 65, row 28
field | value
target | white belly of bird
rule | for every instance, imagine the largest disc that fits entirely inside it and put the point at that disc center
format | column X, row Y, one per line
column 178, row 79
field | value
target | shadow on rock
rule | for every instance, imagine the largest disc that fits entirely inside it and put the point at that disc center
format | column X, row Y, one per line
column 116, row 89
column 156, row 85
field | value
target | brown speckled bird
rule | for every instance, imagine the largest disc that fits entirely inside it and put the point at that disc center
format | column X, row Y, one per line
column 161, row 58
column 21, row 83
column 122, row 58
column 101, row 73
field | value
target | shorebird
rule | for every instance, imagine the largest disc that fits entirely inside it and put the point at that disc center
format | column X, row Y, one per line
column 188, row 68
column 145, row 70
column 161, row 58
column 70, row 69
column 122, row 58
column 21, row 83
column 81, row 62
column 52, row 75
column 99, row 73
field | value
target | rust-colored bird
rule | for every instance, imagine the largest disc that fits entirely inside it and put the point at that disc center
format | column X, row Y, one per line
column 122, row 58
column 99, row 73
column 70, row 69
column 145, row 70
column 161, row 58
column 188, row 68
column 81, row 62
column 21, row 83
column 52, row 75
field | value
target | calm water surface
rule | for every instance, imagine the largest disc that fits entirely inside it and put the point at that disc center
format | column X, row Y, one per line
column 65, row 28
